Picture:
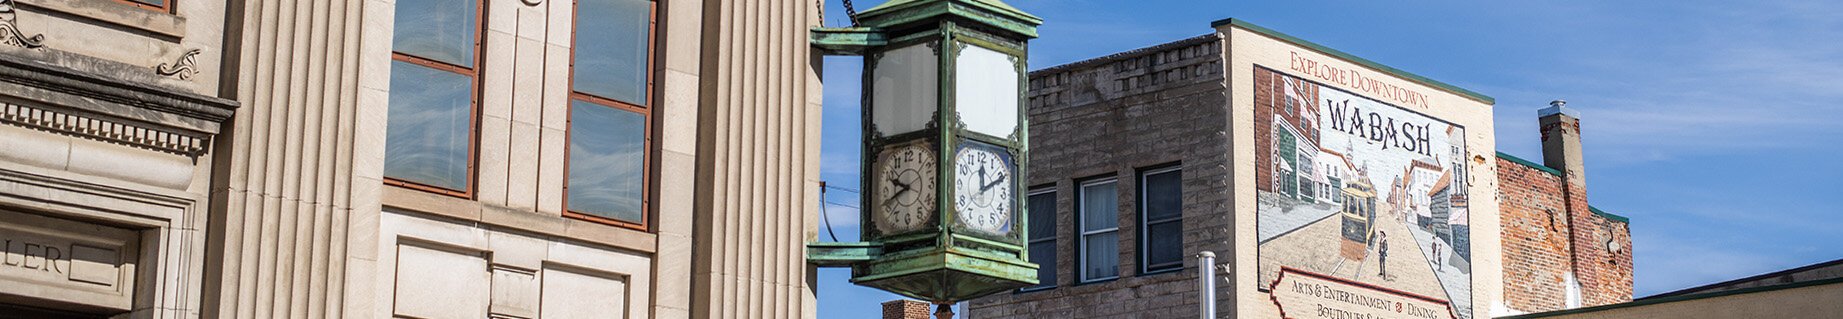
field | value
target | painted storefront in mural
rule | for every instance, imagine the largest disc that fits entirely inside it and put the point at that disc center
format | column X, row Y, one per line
column 1361, row 205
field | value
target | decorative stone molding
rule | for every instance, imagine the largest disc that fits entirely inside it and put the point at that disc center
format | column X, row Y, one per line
column 56, row 99
column 185, row 68
column 103, row 129
column 9, row 28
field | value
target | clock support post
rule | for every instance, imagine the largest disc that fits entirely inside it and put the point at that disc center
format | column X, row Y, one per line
column 945, row 149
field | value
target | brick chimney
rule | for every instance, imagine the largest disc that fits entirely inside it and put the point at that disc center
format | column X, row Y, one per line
column 1561, row 150
column 905, row 309
column 1561, row 141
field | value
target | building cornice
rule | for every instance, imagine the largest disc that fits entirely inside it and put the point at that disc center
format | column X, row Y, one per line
column 58, row 99
column 1379, row 67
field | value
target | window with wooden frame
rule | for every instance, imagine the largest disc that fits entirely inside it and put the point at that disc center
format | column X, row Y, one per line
column 610, row 121
column 163, row 6
column 1097, row 206
column 434, row 96
column 1161, row 220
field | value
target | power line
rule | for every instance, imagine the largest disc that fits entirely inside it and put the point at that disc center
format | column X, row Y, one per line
column 853, row 191
column 823, row 216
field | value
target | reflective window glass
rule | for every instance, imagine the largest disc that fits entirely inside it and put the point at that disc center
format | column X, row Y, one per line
column 607, row 162
column 611, row 49
column 430, row 126
column 440, row 30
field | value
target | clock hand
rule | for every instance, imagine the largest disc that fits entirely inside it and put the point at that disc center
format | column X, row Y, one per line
column 983, row 188
column 898, row 182
column 892, row 198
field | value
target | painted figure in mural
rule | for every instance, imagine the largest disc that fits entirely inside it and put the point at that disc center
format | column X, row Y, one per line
column 1436, row 256
column 1382, row 253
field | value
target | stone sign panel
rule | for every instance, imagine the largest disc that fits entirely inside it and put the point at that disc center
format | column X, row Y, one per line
column 75, row 264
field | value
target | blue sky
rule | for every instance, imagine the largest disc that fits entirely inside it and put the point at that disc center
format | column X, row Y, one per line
column 1713, row 125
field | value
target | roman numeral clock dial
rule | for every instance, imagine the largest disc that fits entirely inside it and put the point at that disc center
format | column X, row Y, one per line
column 905, row 189
column 982, row 190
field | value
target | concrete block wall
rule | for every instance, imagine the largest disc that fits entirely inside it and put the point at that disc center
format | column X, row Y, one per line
column 1112, row 117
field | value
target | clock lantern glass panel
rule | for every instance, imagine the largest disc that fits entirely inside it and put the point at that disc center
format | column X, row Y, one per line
column 986, row 90
column 905, row 188
column 984, row 180
column 904, row 94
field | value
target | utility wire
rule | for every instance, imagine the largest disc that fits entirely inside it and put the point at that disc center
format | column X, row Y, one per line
column 822, row 211
column 853, row 191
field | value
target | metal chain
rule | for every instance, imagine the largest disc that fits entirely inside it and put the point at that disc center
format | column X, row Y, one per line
column 851, row 11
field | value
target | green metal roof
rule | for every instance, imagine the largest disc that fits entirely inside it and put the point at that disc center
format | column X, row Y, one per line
column 1244, row 24
column 995, row 5
column 1514, row 159
column 1606, row 215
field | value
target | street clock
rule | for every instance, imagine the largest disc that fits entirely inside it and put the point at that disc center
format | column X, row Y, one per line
column 944, row 148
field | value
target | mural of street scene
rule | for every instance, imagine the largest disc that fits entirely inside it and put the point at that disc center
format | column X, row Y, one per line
column 1357, row 189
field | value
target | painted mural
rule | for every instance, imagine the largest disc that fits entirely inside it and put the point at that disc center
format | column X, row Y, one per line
column 1361, row 205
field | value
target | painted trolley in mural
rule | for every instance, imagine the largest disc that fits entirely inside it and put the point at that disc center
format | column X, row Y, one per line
column 1359, row 199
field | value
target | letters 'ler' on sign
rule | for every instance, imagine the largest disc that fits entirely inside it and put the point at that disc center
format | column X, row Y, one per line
column 67, row 260
column 1301, row 294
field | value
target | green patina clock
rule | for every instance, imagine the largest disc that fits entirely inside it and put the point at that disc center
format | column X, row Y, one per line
column 945, row 148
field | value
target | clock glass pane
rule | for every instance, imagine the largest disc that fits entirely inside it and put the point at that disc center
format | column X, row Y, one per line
column 986, row 90
column 904, row 89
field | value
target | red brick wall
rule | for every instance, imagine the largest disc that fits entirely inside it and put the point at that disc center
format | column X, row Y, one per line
column 1549, row 231
column 1535, row 225
column 905, row 309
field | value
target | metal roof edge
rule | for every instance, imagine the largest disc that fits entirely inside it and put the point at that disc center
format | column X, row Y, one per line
column 1686, row 291
column 1651, row 301
column 1514, row 159
column 1603, row 214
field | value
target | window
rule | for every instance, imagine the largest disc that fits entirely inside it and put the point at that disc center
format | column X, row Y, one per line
column 433, row 96
column 610, row 112
column 1161, row 220
column 155, row 5
column 1042, row 241
column 1100, row 227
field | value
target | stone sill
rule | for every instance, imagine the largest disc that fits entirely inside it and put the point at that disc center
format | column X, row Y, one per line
column 553, row 225
column 117, row 13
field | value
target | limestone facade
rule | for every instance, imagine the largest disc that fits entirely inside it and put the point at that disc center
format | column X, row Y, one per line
column 109, row 115
column 225, row 159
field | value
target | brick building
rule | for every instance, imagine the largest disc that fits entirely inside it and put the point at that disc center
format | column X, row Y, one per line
column 1559, row 252
column 1311, row 171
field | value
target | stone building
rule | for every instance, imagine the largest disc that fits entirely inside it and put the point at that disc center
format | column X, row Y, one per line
column 407, row 158
column 1333, row 186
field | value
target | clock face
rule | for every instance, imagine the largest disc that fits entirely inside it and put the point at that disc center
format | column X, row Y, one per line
column 905, row 186
column 982, row 190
